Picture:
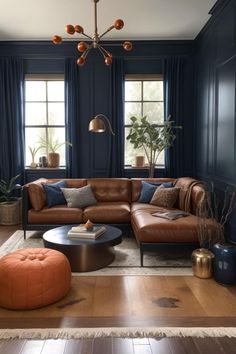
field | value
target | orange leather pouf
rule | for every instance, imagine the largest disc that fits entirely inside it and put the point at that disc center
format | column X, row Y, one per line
column 32, row 278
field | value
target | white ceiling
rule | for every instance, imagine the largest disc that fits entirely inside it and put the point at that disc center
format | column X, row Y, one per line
column 144, row 19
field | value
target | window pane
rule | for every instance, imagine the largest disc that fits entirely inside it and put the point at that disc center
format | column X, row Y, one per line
column 56, row 114
column 130, row 152
column 32, row 138
column 35, row 114
column 55, row 90
column 132, row 109
column 133, row 91
column 153, row 90
column 154, row 112
column 58, row 136
column 35, row 91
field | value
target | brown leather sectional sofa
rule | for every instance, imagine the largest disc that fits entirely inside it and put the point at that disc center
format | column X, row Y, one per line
column 118, row 205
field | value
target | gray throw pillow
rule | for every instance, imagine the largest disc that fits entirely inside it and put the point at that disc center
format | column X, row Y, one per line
column 79, row 197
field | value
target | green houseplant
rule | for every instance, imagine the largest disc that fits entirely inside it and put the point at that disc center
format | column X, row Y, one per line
column 51, row 146
column 10, row 205
column 152, row 138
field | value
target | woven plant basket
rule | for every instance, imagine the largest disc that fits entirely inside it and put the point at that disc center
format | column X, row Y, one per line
column 11, row 212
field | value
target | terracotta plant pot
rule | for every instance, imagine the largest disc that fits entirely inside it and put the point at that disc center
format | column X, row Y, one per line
column 53, row 159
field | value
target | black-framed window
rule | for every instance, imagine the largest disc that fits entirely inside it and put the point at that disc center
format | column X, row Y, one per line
column 44, row 110
column 143, row 97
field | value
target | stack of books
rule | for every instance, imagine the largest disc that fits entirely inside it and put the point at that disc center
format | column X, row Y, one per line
column 80, row 232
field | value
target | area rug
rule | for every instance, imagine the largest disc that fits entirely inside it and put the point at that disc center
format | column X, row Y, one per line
column 124, row 332
column 168, row 261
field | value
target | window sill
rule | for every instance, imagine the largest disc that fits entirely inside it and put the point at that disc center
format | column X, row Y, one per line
column 44, row 168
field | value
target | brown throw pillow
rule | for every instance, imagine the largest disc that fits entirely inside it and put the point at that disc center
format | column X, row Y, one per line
column 165, row 197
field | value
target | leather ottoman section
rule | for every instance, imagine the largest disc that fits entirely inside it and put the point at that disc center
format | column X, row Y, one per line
column 108, row 212
column 148, row 228
column 55, row 215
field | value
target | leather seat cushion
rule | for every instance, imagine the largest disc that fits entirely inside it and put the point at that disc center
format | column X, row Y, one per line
column 148, row 228
column 59, row 214
column 108, row 212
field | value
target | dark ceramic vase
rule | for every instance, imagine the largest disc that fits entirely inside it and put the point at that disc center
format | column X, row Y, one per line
column 225, row 263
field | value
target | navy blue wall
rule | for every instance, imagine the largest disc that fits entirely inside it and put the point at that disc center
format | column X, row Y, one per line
column 146, row 57
column 215, row 100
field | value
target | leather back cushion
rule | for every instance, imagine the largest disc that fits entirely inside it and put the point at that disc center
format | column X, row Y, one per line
column 137, row 185
column 111, row 189
column 37, row 194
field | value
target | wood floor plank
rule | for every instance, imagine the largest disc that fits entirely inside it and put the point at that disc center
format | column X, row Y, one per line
column 54, row 346
column 212, row 295
column 160, row 345
column 177, row 347
column 122, row 346
column 33, row 347
column 209, row 346
column 142, row 349
column 228, row 344
column 78, row 346
column 102, row 345
column 13, row 346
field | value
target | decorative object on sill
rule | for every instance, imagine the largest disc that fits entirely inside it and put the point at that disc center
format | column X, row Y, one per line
column 218, row 213
column 43, row 161
column 202, row 263
column 10, row 206
column 84, row 47
column 96, row 125
column 152, row 138
column 33, row 151
column 139, row 161
column 51, row 147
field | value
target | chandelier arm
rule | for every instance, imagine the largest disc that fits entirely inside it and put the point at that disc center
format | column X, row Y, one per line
column 86, row 35
column 84, row 55
column 108, row 30
column 102, row 50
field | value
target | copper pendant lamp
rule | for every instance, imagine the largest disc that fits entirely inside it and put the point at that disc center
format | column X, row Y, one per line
column 97, row 125
column 85, row 47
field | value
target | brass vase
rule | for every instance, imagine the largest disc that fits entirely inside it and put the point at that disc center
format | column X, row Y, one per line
column 202, row 263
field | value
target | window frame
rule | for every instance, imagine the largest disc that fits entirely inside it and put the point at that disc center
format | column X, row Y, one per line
column 46, row 78
column 142, row 78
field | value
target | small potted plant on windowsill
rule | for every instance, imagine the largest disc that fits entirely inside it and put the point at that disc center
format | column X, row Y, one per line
column 51, row 146
column 10, row 205
column 152, row 138
column 33, row 151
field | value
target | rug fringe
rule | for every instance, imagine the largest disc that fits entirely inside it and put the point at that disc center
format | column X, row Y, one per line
column 125, row 332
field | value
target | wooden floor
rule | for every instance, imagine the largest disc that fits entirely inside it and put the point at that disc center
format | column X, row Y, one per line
column 132, row 301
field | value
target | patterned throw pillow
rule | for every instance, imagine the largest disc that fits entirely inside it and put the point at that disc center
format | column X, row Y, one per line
column 165, row 197
column 79, row 197
column 148, row 189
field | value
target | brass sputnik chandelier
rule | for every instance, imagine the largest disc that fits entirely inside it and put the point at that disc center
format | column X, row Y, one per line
column 84, row 47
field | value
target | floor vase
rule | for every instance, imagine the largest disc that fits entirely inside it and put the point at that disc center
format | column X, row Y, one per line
column 225, row 263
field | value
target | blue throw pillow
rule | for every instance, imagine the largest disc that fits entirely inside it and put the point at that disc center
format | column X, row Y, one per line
column 148, row 189
column 54, row 194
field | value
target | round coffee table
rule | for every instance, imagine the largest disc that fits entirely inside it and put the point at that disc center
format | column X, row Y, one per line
column 84, row 255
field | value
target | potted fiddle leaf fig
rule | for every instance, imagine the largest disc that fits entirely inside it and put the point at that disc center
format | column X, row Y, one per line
column 152, row 138
column 52, row 145
column 10, row 205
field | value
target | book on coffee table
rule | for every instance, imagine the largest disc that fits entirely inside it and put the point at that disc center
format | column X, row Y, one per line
column 77, row 232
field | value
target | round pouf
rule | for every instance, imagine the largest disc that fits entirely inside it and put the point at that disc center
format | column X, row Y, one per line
column 32, row 278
